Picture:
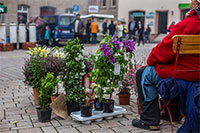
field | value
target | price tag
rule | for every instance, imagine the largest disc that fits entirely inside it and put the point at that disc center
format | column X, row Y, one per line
column 117, row 69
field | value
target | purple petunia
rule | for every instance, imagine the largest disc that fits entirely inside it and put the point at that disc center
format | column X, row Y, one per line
column 111, row 58
column 129, row 45
column 105, row 49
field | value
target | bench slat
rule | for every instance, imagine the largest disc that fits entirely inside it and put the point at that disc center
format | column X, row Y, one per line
column 190, row 44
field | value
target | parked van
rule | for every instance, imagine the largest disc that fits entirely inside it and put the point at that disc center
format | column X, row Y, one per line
column 65, row 24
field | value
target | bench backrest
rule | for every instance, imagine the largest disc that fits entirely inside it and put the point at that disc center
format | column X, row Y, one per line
column 189, row 44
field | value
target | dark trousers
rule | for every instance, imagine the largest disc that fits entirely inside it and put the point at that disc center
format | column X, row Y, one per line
column 88, row 37
column 140, row 38
column 80, row 36
column 94, row 38
column 132, row 35
column 150, row 111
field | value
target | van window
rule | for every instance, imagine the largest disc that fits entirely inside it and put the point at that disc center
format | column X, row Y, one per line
column 52, row 20
column 66, row 20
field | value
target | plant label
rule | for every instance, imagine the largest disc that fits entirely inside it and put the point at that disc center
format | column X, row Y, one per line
column 117, row 69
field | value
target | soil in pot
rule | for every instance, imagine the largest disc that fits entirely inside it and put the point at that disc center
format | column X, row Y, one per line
column 72, row 107
column 98, row 105
column 86, row 110
column 44, row 115
column 108, row 106
column 124, row 98
column 36, row 96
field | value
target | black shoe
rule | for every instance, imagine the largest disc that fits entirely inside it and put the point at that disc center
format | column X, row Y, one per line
column 140, row 124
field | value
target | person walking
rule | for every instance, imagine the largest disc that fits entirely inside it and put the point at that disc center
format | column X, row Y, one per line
column 148, row 33
column 40, row 31
column 105, row 27
column 132, row 27
column 47, row 36
column 88, row 30
column 94, row 30
column 78, row 28
column 119, row 29
column 140, row 33
column 112, row 28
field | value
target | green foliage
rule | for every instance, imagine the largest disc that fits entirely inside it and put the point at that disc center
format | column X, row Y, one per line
column 47, row 88
column 103, row 74
column 75, row 68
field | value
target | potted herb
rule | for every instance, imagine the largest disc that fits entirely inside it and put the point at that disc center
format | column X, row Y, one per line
column 47, row 88
column 75, row 69
column 112, row 60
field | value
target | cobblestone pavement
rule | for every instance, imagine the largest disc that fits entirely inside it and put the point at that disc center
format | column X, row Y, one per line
column 16, row 103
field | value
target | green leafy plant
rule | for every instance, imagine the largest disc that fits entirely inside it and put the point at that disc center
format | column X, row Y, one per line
column 75, row 69
column 112, row 52
column 47, row 88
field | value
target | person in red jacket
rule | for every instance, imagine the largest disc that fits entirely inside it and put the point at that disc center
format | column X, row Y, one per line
column 170, row 28
column 161, row 64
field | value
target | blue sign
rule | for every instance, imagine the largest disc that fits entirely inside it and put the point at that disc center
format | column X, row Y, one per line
column 75, row 8
column 150, row 15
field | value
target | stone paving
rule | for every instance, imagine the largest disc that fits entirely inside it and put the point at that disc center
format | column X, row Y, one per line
column 17, row 109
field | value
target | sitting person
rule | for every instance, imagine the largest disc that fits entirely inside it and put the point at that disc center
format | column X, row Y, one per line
column 160, row 65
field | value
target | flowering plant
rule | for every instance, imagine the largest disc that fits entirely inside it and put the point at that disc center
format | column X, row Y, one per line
column 112, row 60
column 75, row 69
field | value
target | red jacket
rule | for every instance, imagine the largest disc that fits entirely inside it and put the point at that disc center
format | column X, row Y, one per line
column 163, row 58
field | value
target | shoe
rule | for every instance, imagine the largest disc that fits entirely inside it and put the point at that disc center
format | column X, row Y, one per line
column 142, row 125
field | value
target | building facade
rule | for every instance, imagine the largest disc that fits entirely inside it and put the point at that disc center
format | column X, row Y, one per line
column 159, row 14
column 19, row 11
column 109, row 7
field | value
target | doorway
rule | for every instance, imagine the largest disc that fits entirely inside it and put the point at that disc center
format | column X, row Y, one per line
column 162, row 21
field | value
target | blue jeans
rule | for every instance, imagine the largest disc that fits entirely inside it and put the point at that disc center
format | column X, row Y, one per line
column 94, row 38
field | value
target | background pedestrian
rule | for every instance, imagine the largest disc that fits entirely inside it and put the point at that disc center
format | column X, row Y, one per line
column 78, row 28
column 94, row 30
column 88, row 30
column 112, row 28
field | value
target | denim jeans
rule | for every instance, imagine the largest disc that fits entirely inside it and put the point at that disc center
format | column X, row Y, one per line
column 94, row 38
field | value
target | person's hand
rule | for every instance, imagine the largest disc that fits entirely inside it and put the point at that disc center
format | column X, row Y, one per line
column 145, row 65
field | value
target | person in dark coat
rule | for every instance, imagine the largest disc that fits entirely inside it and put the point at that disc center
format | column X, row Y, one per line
column 161, row 65
column 40, row 31
column 78, row 28
column 140, row 33
column 112, row 28
column 88, row 30
column 132, row 27
column 105, row 27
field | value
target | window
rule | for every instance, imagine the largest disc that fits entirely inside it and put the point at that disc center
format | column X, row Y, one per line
column 51, row 20
column 103, row 3
column 22, row 14
column 66, row 20
column 113, row 3
column 69, row 11
column 47, row 10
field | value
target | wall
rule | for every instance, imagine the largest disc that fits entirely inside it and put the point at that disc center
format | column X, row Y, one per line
column 125, row 6
column 35, row 5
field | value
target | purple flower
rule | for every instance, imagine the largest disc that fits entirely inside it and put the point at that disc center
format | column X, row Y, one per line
column 129, row 45
column 116, row 42
column 112, row 59
column 105, row 49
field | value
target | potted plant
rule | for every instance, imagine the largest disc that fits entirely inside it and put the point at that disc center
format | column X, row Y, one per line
column 87, row 106
column 32, row 69
column 72, row 81
column 111, row 63
column 56, row 65
column 47, row 88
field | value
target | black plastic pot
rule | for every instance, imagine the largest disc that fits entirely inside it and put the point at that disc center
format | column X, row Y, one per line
column 86, row 111
column 72, row 107
column 98, row 105
column 108, row 106
column 44, row 115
